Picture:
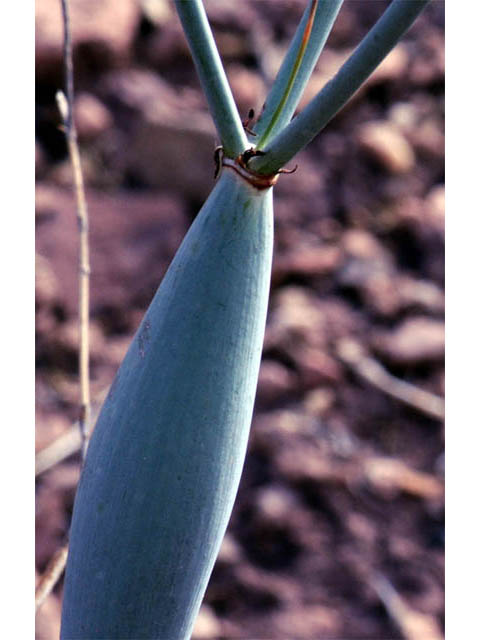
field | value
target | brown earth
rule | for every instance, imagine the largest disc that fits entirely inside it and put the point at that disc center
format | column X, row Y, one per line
column 340, row 509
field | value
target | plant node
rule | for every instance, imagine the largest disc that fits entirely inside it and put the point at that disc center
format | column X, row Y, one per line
column 240, row 165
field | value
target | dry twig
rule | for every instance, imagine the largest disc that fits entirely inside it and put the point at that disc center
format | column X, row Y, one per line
column 66, row 445
column 69, row 442
column 65, row 105
column 372, row 371
column 412, row 624
column 51, row 575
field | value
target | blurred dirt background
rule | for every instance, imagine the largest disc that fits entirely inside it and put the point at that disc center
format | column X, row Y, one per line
column 337, row 531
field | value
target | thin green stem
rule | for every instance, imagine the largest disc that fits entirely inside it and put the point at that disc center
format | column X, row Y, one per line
column 296, row 69
column 293, row 74
column 212, row 76
column 376, row 45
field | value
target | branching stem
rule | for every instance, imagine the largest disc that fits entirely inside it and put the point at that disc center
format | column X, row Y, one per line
column 376, row 45
column 212, row 76
column 296, row 69
column 293, row 74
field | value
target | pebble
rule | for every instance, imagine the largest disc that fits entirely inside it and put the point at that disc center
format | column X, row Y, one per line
column 275, row 504
column 393, row 67
column 435, row 207
column 415, row 341
column 275, row 382
column 316, row 368
column 206, row 625
column 363, row 245
column 318, row 401
column 248, row 89
column 106, row 25
column 46, row 282
column 309, row 262
column 386, row 144
column 91, row 116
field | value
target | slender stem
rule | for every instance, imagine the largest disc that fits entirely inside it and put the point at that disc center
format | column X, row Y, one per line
column 296, row 69
column 367, row 56
column 51, row 575
column 65, row 104
column 68, row 443
column 212, row 77
column 293, row 74
column 374, row 373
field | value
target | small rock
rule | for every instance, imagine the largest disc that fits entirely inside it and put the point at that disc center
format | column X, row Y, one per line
column 307, row 621
column 295, row 318
column 68, row 337
column 135, row 236
column 299, row 318
column 275, row 382
column 319, row 401
column 91, row 116
column 247, row 88
column 230, row 551
column 48, row 428
column 105, row 25
column 390, row 476
column 274, row 504
column 172, row 144
column 404, row 115
column 280, row 424
column 435, row 207
column 428, row 66
column 40, row 160
column 46, row 282
column 369, row 269
column 167, row 45
column 428, row 140
column 358, row 243
column 328, row 64
column 414, row 341
column 361, row 527
column 386, row 144
column 159, row 12
column 316, row 368
column 392, row 67
column 420, row 293
column 309, row 262
column 206, row 625
column 47, row 620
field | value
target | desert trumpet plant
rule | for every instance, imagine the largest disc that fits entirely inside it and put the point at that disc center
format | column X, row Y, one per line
column 164, row 462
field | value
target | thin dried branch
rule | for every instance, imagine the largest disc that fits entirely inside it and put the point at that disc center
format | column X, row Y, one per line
column 51, row 576
column 69, row 442
column 63, row 447
column 373, row 372
column 65, row 105
column 412, row 624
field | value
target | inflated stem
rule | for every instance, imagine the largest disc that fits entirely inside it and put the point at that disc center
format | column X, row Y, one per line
column 212, row 76
column 164, row 462
column 376, row 45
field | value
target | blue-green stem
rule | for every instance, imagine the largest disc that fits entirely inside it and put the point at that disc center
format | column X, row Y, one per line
column 296, row 69
column 376, row 45
column 212, row 76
